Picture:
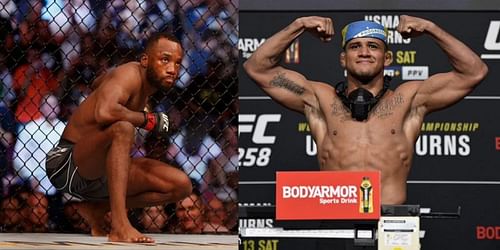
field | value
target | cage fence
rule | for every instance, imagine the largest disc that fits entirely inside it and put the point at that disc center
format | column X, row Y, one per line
column 51, row 52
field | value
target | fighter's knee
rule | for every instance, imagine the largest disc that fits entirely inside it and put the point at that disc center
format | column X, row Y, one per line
column 122, row 129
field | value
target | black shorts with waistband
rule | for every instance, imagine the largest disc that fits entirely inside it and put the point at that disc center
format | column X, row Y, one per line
column 63, row 174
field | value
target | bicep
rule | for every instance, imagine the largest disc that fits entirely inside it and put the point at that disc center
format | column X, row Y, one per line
column 115, row 88
column 111, row 99
column 109, row 96
column 287, row 87
column 442, row 90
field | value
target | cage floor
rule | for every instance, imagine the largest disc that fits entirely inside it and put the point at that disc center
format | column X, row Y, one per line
column 84, row 241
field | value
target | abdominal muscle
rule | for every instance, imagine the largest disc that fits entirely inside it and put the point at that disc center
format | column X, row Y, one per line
column 384, row 151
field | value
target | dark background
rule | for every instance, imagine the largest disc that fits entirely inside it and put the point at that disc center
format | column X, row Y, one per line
column 440, row 182
column 360, row 5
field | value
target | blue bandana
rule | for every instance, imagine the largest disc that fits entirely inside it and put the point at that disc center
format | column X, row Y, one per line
column 363, row 29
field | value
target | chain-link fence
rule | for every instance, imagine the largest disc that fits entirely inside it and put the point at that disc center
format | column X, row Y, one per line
column 52, row 51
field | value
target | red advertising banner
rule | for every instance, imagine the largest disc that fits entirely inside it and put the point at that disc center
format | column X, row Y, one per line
column 332, row 195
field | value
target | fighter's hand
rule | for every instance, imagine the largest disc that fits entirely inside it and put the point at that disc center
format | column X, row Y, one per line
column 157, row 122
column 410, row 26
column 321, row 27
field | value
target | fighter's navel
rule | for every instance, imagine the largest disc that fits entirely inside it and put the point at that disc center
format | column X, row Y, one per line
column 393, row 131
column 335, row 132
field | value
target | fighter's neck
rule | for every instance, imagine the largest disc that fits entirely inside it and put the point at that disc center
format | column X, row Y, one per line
column 147, row 87
column 374, row 85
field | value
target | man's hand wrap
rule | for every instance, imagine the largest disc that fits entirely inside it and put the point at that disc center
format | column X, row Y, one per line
column 157, row 122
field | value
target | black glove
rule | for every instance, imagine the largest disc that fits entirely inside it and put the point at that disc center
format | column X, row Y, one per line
column 157, row 122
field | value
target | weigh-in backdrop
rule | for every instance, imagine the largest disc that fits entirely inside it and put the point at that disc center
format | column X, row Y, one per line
column 456, row 161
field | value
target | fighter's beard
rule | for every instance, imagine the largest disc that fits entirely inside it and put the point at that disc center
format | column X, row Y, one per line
column 363, row 78
column 154, row 80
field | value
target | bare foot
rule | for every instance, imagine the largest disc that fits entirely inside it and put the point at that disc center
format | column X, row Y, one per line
column 128, row 234
column 93, row 213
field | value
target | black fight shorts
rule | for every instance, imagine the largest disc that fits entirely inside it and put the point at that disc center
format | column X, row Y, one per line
column 63, row 174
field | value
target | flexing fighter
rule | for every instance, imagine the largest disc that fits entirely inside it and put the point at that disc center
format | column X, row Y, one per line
column 360, row 124
column 92, row 160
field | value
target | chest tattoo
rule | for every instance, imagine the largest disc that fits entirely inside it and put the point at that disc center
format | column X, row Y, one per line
column 386, row 107
column 340, row 110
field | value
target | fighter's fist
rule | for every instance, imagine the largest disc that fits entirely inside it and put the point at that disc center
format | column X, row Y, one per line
column 321, row 27
column 157, row 122
column 410, row 26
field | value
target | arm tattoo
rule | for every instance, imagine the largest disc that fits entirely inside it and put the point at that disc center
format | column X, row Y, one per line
column 281, row 81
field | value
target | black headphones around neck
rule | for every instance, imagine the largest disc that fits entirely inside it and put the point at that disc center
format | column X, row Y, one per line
column 360, row 101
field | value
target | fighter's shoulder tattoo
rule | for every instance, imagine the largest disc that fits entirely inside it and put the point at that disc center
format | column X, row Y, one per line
column 386, row 108
column 281, row 81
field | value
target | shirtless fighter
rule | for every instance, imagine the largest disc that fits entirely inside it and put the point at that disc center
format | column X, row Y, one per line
column 360, row 124
column 92, row 160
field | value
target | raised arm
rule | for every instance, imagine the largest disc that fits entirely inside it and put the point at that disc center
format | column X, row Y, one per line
column 444, row 89
column 287, row 87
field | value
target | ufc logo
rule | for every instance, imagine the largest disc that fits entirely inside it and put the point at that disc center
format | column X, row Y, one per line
column 165, row 122
column 256, row 125
column 492, row 41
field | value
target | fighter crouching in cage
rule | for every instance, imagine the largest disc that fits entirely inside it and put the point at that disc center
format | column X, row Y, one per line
column 92, row 161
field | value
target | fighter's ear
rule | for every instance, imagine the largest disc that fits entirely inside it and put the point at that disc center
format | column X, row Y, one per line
column 387, row 58
column 342, row 59
column 144, row 60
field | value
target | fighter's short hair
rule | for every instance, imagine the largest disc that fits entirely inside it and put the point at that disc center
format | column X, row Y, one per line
column 155, row 37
